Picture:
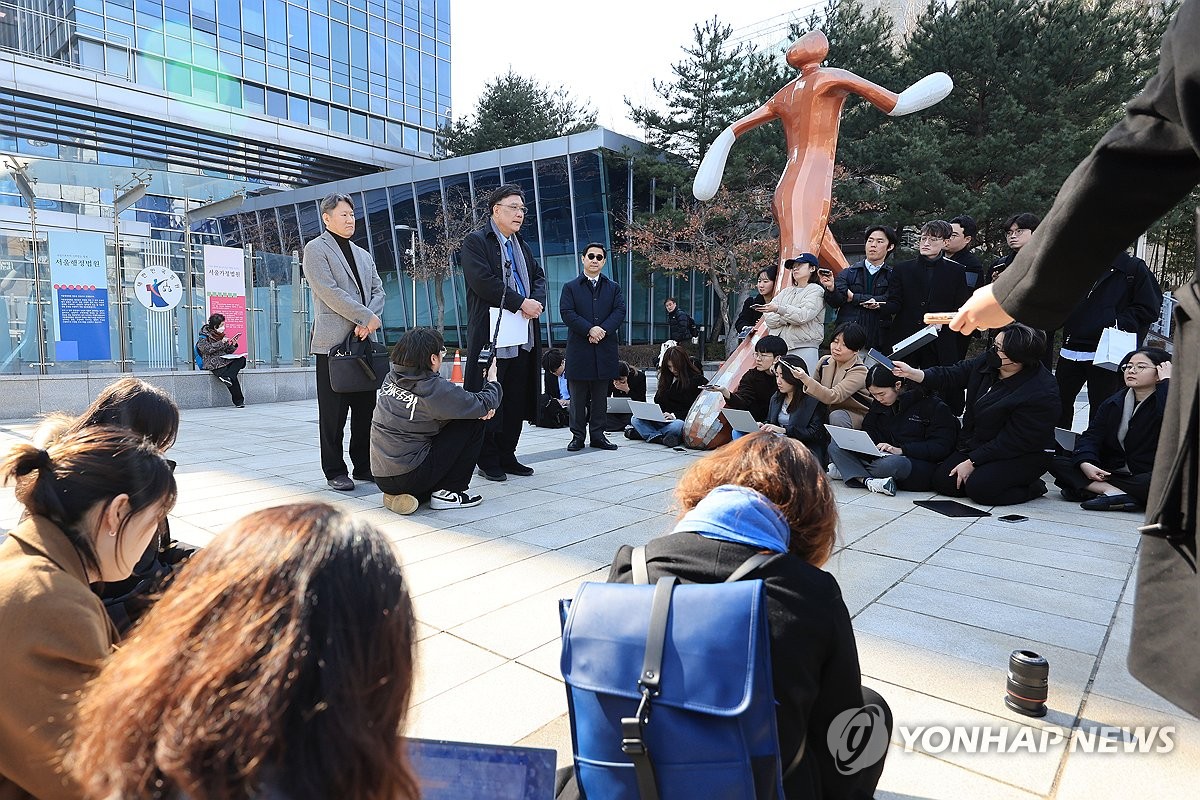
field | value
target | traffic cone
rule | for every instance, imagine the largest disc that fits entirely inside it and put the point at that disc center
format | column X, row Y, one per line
column 456, row 375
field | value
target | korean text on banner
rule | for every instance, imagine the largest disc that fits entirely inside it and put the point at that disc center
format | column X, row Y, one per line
column 225, row 289
column 79, row 279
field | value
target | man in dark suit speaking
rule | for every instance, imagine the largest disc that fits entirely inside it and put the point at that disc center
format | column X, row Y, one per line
column 500, row 271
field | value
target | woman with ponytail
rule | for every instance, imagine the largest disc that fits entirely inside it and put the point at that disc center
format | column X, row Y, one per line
column 93, row 501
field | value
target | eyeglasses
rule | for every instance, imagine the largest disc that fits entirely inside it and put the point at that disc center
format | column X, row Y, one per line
column 514, row 209
column 1016, row 231
column 1136, row 367
column 929, row 239
column 594, row 256
column 443, row 353
column 999, row 349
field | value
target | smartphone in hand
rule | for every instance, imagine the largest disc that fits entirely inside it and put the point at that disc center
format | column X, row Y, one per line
column 825, row 273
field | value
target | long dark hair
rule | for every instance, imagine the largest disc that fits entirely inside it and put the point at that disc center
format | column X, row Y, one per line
column 679, row 358
column 790, row 378
column 83, row 468
column 282, row 655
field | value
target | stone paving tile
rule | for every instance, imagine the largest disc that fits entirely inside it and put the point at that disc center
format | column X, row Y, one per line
column 1086, row 637
column 855, row 522
column 1024, row 595
column 1034, row 574
column 605, row 545
column 1119, row 553
column 498, row 707
column 1113, row 680
column 910, row 537
column 912, row 775
column 433, row 573
column 579, row 527
column 1036, row 771
column 1085, row 565
column 456, row 661
column 551, row 736
column 435, row 543
column 865, row 576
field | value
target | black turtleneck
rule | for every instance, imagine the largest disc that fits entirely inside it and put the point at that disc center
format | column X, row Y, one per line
column 344, row 244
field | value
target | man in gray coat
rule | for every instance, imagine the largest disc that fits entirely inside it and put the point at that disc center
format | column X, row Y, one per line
column 347, row 298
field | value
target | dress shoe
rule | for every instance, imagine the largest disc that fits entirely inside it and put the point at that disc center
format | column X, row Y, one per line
column 1111, row 502
column 603, row 444
column 631, row 433
column 517, row 468
column 492, row 476
column 1076, row 495
column 672, row 440
column 575, row 445
column 368, row 478
column 341, row 483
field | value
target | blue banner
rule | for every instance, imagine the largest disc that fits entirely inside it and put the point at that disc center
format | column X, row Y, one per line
column 79, row 282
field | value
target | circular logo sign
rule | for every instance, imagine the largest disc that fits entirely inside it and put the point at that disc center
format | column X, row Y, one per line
column 158, row 288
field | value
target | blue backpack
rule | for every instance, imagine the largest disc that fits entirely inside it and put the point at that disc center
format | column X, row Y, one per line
column 669, row 689
column 196, row 353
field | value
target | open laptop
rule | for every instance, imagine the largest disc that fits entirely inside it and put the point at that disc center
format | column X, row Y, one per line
column 647, row 411
column 469, row 771
column 742, row 421
column 1066, row 439
column 915, row 342
column 879, row 358
column 854, row 441
column 618, row 405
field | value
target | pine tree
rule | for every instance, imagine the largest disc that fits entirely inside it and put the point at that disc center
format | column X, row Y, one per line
column 516, row 110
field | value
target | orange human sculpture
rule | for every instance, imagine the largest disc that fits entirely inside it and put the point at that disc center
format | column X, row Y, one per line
column 809, row 109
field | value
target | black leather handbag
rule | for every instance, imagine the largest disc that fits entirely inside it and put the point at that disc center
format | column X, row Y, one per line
column 358, row 365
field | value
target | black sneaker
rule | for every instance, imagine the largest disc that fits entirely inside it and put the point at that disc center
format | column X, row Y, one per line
column 444, row 499
column 226, row 381
column 672, row 440
column 631, row 433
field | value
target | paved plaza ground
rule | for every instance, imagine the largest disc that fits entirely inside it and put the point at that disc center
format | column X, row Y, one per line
column 938, row 603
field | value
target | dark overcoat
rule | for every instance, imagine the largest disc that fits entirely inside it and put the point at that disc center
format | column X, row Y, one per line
column 1146, row 164
column 483, row 273
column 919, row 287
column 583, row 308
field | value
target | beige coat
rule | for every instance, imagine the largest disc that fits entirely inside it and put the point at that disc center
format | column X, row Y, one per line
column 800, row 320
column 55, row 633
column 836, row 386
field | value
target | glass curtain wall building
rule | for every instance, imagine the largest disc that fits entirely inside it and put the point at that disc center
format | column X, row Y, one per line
column 376, row 71
column 578, row 189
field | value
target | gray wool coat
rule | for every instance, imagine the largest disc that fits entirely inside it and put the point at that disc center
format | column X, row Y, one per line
column 337, row 304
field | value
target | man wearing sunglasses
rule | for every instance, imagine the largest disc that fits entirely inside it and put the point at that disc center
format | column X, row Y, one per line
column 593, row 308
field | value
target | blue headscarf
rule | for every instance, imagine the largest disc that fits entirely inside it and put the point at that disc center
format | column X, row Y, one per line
column 740, row 515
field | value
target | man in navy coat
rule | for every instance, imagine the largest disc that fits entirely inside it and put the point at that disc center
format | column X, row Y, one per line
column 593, row 308
column 499, row 269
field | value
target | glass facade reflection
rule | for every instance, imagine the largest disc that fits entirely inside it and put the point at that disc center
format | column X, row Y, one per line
column 378, row 71
column 578, row 189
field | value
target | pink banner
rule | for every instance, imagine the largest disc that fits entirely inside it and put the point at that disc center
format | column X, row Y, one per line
column 234, row 309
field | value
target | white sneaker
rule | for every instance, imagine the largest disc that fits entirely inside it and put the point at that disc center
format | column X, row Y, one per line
column 833, row 472
column 882, row 486
column 444, row 499
column 400, row 503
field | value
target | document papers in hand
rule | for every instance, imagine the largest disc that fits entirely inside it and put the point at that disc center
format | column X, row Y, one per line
column 855, row 441
column 911, row 344
column 514, row 328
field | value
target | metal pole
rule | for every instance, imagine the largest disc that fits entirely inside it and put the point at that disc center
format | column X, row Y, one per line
column 37, row 290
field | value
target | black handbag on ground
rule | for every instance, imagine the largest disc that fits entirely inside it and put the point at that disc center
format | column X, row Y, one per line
column 358, row 365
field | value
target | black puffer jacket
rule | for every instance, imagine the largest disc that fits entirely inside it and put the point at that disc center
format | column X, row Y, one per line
column 1004, row 418
column 919, row 424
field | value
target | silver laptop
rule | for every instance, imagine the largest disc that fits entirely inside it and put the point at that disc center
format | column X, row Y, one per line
column 742, row 421
column 854, row 441
column 618, row 405
column 915, row 342
column 1066, row 439
column 647, row 411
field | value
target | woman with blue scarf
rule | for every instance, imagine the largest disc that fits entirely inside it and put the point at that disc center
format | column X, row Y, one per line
column 766, row 493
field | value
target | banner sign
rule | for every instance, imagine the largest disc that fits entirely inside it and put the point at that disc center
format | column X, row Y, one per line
column 225, row 289
column 79, row 279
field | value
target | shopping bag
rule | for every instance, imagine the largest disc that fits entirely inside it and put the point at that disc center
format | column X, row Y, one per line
column 1114, row 345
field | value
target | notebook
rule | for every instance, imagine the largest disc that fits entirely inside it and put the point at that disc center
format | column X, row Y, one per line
column 1066, row 439
column 618, row 405
column 742, row 421
column 647, row 411
column 855, row 441
column 470, row 771
column 951, row 508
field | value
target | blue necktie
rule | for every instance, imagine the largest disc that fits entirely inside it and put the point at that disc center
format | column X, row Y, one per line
column 513, row 262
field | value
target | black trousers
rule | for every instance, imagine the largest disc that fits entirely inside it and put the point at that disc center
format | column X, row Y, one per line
column 230, row 371
column 332, row 410
column 1068, row 476
column 1071, row 375
column 452, row 456
column 998, row 483
column 502, row 432
column 589, row 408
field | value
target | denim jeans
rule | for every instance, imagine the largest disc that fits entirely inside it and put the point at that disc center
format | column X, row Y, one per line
column 855, row 465
column 651, row 431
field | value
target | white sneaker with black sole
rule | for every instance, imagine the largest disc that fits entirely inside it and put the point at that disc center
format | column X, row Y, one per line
column 833, row 472
column 444, row 499
column 882, row 486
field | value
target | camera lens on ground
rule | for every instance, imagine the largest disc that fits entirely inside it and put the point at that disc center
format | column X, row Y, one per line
column 1028, row 683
